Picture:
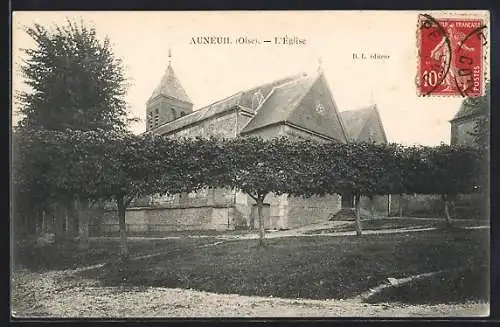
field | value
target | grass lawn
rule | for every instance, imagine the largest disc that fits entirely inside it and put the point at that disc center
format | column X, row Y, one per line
column 445, row 287
column 69, row 256
column 394, row 223
column 312, row 267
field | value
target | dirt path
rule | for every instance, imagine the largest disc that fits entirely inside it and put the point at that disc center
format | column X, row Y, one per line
column 55, row 295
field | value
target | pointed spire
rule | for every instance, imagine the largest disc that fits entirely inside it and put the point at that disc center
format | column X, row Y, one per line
column 170, row 86
column 320, row 66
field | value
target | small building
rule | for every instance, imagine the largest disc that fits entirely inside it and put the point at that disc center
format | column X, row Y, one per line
column 464, row 123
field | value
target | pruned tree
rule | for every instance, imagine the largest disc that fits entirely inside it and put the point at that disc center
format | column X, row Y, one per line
column 126, row 170
column 259, row 168
column 448, row 170
column 367, row 169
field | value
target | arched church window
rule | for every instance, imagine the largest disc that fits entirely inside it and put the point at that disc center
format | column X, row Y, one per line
column 183, row 114
column 257, row 99
column 173, row 113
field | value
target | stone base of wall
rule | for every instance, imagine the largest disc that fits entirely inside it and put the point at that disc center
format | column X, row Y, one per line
column 316, row 209
column 156, row 220
column 281, row 212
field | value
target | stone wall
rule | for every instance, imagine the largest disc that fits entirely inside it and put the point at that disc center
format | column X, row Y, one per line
column 205, row 197
column 221, row 126
column 156, row 220
column 379, row 204
column 460, row 132
column 268, row 132
column 468, row 206
column 296, row 133
column 316, row 209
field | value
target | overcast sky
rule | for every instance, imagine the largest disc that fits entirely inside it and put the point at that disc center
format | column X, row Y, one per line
column 211, row 72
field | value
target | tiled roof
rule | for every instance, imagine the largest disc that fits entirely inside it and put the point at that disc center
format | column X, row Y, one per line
column 355, row 120
column 243, row 98
column 246, row 96
column 199, row 115
column 281, row 103
column 171, row 86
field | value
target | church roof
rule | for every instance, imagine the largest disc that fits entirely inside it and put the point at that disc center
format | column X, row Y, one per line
column 355, row 120
column 170, row 86
column 243, row 98
column 281, row 103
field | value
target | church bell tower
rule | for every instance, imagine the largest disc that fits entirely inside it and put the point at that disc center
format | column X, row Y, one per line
column 169, row 100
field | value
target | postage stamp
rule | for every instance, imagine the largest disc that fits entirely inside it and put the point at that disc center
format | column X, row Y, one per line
column 451, row 56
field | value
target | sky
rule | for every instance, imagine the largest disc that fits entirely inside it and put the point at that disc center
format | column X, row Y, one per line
column 209, row 72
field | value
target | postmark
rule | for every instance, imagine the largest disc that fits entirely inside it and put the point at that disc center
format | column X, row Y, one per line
column 451, row 56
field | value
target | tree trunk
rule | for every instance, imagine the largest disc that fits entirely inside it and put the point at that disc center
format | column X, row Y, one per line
column 372, row 211
column 389, row 205
column 357, row 214
column 83, row 224
column 252, row 222
column 260, row 205
column 59, row 215
column 401, row 198
column 44, row 222
column 347, row 201
column 446, row 209
column 67, row 224
column 123, row 227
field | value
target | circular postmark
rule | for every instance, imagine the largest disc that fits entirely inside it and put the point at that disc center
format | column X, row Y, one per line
column 469, row 76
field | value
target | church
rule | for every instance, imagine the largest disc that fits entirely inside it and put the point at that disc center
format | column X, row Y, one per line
column 299, row 106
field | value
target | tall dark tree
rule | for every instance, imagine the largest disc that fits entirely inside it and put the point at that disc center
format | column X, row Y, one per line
column 75, row 80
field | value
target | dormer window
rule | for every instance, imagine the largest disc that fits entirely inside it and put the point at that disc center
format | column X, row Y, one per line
column 257, row 99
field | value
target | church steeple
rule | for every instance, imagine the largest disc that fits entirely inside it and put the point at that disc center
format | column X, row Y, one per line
column 320, row 66
column 169, row 100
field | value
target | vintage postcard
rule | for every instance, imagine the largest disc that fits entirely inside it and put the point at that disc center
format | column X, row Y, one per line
column 157, row 173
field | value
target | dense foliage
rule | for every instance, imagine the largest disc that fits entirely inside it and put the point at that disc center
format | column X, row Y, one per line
column 67, row 164
column 74, row 79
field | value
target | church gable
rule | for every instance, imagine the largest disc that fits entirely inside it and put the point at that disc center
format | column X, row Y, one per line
column 373, row 130
column 317, row 112
column 364, row 125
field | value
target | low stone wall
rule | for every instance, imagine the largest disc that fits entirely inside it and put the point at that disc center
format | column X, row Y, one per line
column 316, row 209
column 153, row 220
column 467, row 206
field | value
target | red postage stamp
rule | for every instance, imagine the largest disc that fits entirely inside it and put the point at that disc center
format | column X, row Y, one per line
column 451, row 56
